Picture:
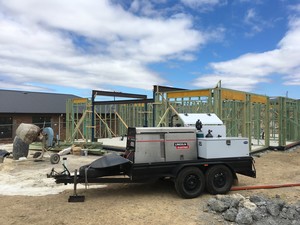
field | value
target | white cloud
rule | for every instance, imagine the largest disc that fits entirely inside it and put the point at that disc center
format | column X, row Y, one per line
column 250, row 15
column 255, row 23
column 252, row 1
column 295, row 7
column 248, row 70
column 88, row 44
column 203, row 5
column 144, row 7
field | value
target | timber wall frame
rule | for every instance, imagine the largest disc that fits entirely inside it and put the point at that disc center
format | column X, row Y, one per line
column 244, row 114
column 285, row 120
column 265, row 121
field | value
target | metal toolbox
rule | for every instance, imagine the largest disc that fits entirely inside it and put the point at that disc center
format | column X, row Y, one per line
column 210, row 148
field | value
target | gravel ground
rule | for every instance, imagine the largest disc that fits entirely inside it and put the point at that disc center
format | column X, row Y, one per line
column 28, row 197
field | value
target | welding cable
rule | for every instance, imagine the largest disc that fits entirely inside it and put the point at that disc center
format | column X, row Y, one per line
column 241, row 188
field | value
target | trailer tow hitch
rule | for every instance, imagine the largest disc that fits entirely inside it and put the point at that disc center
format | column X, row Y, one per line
column 65, row 177
column 55, row 174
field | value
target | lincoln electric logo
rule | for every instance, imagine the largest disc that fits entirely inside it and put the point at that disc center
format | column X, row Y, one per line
column 181, row 146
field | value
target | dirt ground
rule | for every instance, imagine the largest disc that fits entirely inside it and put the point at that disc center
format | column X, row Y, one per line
column 155, row 203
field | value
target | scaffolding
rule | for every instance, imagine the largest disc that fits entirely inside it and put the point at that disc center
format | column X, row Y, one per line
column 265, row 121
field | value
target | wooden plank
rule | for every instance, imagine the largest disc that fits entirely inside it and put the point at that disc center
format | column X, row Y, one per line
column 79, row 100
column 259, row 99
column 241, row 96
column 233, row 95
column 192, row 93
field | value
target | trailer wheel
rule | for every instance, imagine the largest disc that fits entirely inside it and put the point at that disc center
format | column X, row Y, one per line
column 54, row 158
column 190, row 182
column 219, row 179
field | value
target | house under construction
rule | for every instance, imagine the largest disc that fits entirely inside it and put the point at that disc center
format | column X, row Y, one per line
column 266, row 121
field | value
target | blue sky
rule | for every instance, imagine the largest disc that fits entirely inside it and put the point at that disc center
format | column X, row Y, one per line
column 75, row 46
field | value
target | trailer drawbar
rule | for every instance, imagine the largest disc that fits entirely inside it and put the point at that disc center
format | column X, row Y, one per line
column 194, row 157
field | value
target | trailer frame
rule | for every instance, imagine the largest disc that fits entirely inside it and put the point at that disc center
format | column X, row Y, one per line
column 148, row 172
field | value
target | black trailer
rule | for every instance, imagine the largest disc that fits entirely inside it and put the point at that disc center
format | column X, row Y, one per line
column 156, row 153
column 190, row 177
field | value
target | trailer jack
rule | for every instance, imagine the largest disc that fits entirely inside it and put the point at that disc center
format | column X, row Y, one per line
column 75, row 197
column 66, row 174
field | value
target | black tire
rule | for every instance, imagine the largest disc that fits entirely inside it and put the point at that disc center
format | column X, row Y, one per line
column 20, row 148
column 54, row 158
column 190, row 182
column 219, row 179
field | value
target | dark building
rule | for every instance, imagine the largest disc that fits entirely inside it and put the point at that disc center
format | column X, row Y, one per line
column 42, row 109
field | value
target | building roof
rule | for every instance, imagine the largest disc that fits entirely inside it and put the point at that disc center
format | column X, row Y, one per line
column 33, row 102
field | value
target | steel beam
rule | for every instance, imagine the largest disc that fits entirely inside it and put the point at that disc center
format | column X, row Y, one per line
column 117, row 94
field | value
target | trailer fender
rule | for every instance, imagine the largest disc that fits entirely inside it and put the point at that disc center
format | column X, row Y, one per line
column 180, row 167
column 177, row 169
column 203, row 167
